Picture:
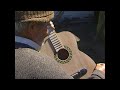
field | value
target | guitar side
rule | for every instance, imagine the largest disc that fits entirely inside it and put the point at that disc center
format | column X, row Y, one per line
column 79, row 59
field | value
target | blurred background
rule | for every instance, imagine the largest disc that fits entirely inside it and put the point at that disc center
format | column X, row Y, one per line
column 89, row 26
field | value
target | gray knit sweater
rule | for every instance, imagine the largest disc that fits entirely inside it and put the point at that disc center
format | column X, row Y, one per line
column 30, row 64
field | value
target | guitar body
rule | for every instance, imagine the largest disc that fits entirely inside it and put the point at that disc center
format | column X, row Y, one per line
column 77, row 59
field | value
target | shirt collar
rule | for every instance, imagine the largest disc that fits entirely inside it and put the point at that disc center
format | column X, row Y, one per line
column 28, row 42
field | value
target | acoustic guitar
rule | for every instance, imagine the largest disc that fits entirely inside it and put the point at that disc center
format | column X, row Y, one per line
column 63, row 48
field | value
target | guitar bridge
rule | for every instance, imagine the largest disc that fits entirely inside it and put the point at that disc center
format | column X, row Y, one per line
column 79, row 74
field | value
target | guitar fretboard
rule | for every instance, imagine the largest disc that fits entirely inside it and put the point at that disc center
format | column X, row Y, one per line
column 55, row 41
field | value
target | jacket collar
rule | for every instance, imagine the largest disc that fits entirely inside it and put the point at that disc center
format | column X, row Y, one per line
column 27, row 42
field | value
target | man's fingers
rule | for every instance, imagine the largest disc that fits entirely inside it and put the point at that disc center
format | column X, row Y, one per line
column 101, row 67
column 51, row 23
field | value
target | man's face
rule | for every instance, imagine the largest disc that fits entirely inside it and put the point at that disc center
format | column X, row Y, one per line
column 40, row 30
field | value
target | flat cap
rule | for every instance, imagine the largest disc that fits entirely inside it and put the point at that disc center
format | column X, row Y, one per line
column 37, row 16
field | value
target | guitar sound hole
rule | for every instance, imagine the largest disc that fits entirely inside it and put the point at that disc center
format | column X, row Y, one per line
column 63, row 54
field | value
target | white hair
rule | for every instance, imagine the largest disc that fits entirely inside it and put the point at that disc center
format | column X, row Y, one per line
column 19, row 26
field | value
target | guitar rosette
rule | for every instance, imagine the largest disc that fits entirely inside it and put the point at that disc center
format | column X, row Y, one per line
column 63, row 55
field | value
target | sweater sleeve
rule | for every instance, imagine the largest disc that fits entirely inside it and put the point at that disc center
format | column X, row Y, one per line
column 97, row 74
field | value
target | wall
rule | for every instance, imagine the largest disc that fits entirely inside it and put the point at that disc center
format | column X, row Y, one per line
column 76, row 14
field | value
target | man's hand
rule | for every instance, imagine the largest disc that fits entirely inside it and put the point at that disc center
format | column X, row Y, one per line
column 52, row 25
column 101, row 67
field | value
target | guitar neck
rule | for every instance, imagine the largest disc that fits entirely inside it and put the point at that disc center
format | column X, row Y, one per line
column 55, row 41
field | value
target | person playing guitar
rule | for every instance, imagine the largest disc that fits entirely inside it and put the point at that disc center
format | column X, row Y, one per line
column 41, row 53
